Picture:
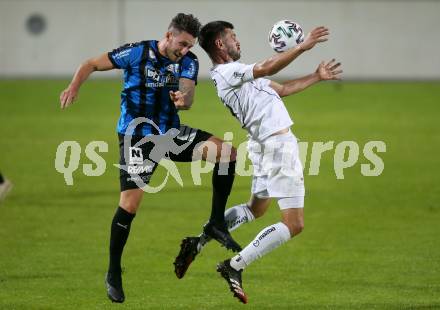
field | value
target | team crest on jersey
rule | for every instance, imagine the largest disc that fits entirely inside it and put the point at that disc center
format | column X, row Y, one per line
column 174, row 68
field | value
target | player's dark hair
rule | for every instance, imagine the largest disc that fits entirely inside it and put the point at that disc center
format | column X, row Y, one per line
column 210, row 32
column 187, row 23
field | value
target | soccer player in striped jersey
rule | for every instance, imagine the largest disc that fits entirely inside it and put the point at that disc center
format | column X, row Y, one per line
column 159, row 79
column 278, row 174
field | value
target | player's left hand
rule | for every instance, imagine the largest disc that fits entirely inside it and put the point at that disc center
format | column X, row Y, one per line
column 178, row 98
column 329, row 70
column 68, row 96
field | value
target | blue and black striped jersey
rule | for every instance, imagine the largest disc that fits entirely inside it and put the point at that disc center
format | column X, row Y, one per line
column 148, row 78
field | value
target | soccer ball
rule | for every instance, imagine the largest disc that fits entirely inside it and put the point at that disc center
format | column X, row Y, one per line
column 285, row 34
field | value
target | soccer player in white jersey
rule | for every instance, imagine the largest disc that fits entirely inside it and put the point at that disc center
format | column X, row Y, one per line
column 256, row 103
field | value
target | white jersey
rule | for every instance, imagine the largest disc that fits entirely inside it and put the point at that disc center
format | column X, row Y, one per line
column 254, row 103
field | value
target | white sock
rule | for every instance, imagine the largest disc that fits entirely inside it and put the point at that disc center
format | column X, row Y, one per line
column 234, row 217
column 267, row 240
column 238, row 215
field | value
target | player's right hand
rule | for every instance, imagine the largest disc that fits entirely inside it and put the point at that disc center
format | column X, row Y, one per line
column 68, row 96
column 317, row 35
column 179, row 99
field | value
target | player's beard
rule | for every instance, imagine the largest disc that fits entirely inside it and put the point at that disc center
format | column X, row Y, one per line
column 234, row 54
column 173, row 55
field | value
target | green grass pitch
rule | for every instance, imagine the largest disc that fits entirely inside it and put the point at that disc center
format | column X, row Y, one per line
column 368, row 243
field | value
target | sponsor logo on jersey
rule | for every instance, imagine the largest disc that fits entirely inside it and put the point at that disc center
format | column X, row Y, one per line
column 153, row 74
column 161, row 80
column 238, row 75
column 144, row 178
column 171, row 80
column 139, row 169
column 122, row 53
column 157, row 84
column 135, row 156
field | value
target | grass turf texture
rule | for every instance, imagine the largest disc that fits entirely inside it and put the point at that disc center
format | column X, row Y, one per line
column 369, row 242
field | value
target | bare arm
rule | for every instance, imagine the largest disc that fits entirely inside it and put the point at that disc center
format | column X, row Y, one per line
column 325, row 71
column 184, row 97
column 294, row 86
column 100, row 63
column 279, row 61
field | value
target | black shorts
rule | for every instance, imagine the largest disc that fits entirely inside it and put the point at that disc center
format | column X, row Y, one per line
column 143, row 158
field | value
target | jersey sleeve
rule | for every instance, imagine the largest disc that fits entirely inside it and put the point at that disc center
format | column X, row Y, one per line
column 126, row 56
column 236, row 74
column 265, row 82
column 190, row 68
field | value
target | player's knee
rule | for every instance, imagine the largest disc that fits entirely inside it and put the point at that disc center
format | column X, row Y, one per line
column 258, row 206
column 298, row 228
column 130, row 207
column 258, row 212
column 295, row 228
column 130, row 204
column 130, row 200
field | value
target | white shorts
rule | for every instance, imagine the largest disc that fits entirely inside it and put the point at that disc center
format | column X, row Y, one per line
column 278, row 172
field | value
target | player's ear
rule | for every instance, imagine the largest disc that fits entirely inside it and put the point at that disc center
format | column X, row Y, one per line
column 168, row 35
column 218, row 43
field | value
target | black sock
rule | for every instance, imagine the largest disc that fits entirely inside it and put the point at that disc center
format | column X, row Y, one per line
column 222, row 180
column 120, row 229
column 2, row 180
